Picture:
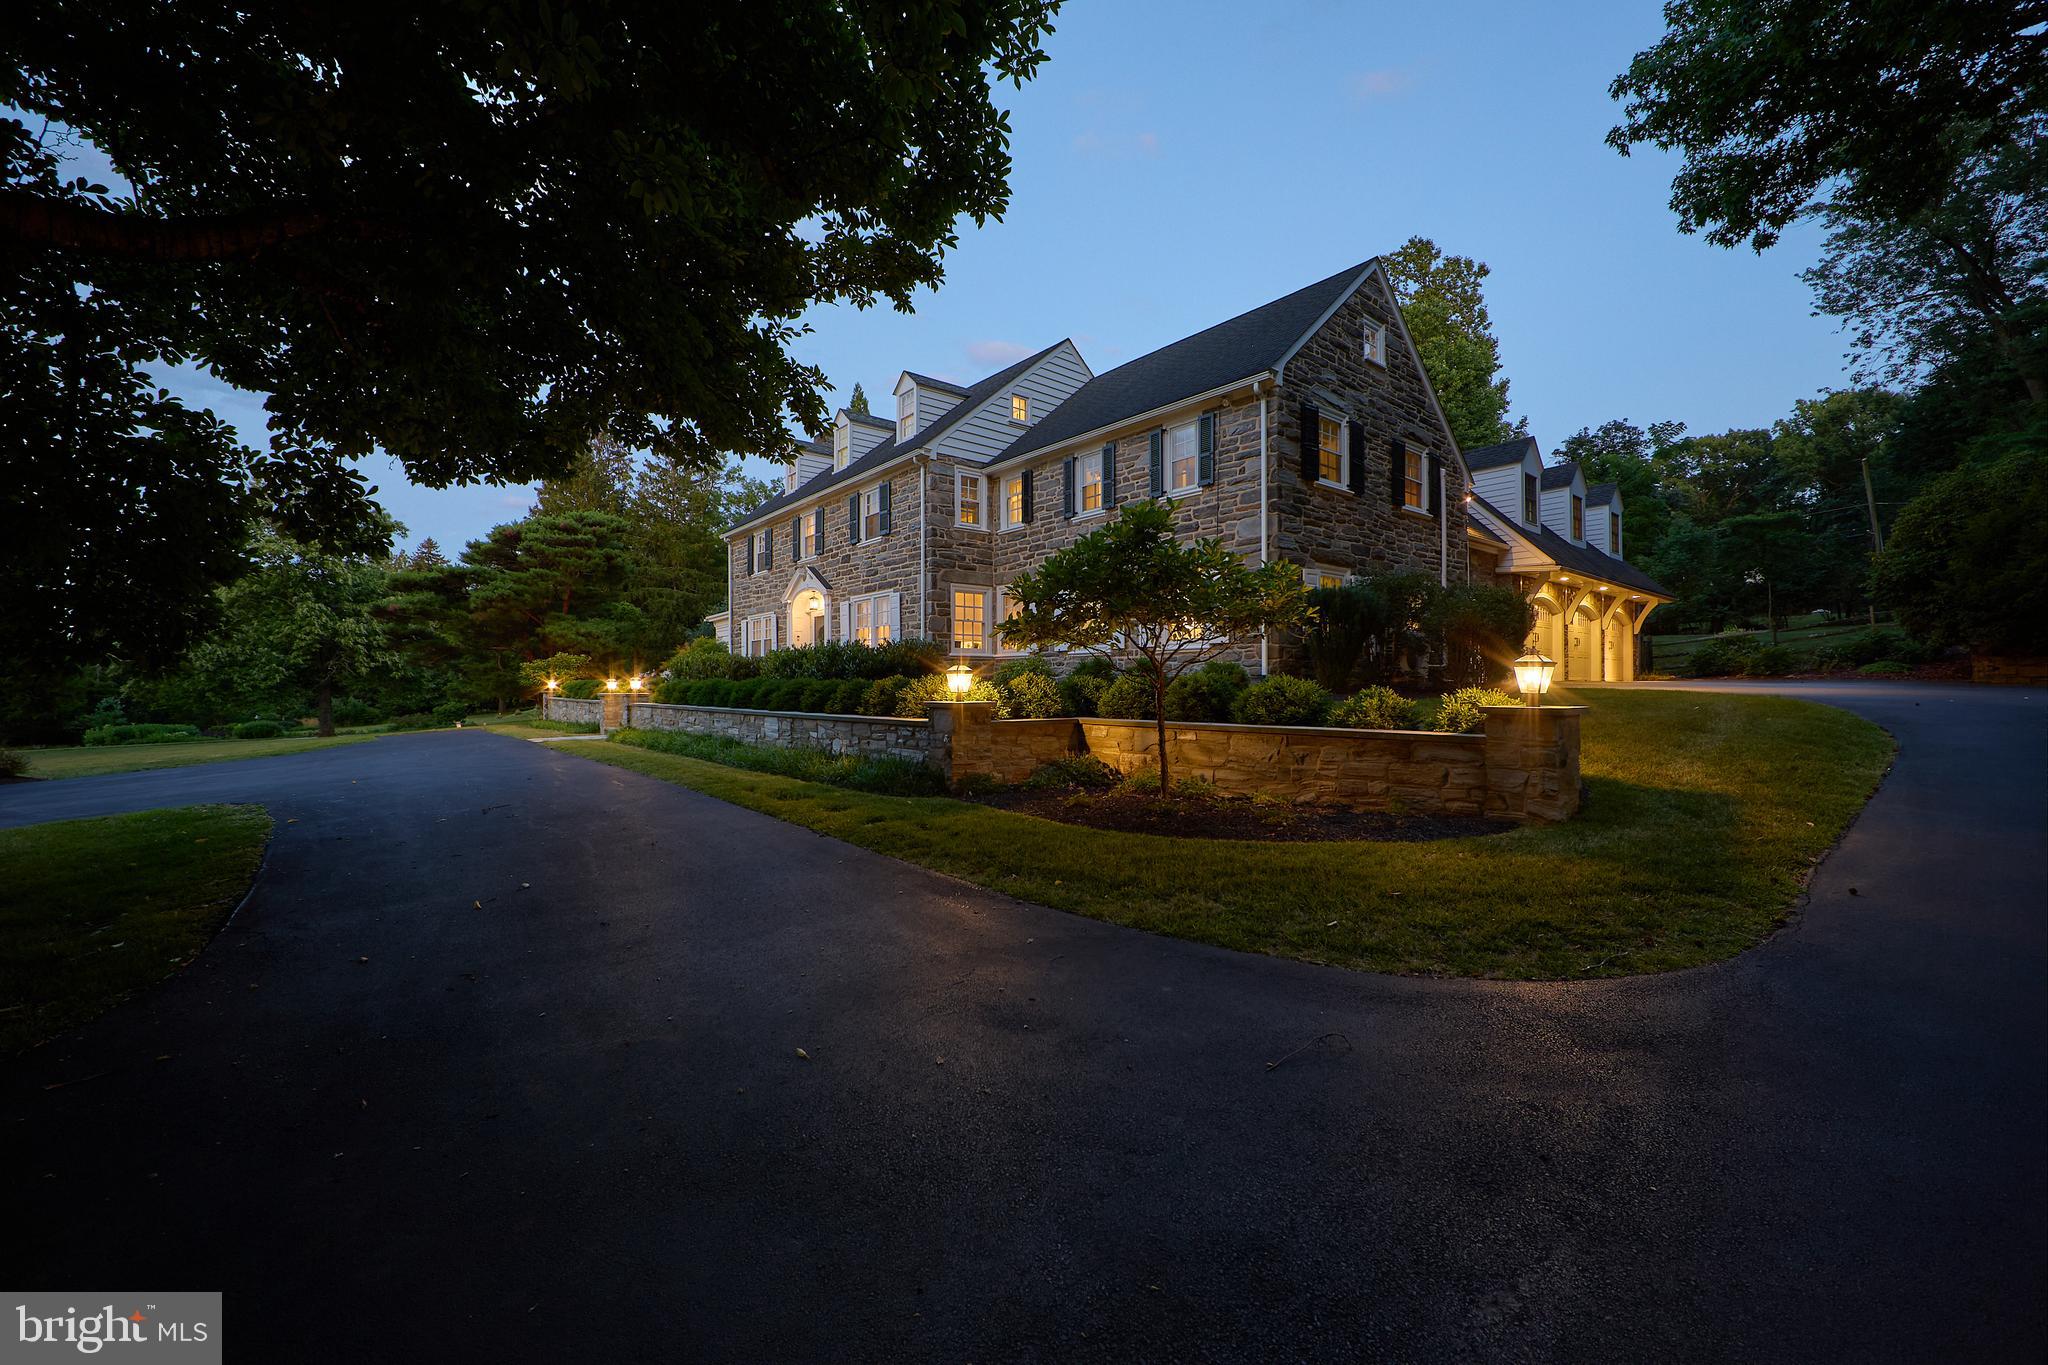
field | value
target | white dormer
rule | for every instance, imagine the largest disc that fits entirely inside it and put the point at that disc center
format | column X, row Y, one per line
column 920, row 401
column 842, row 442
column 811, row 460
column 1564, row 502
column 1510, row 477
column 854, row 436
column 1603, row 520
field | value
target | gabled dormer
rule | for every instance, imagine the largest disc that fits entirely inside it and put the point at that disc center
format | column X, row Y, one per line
column 1564, row 501
column 854, row 434
column 922, row 400
column 1510, row 477
column 1603, row 519
column 810, row 459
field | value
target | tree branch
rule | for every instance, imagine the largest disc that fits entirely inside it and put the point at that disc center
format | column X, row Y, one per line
column 69, row 225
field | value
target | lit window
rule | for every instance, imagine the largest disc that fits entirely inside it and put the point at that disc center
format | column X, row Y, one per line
column 1613, row 532
column 841, row 440
column 970, row 618
column 1183, row 457
column 871, row 513
column 814, row 527
column 1530, row 498
column 970, row 500
column 1329, row 449
column 1316, row 576
column 1375, row 343
column 1088, row 474
column 1578, row 517
column 1411, row 479
column 1013, row 501
column 906, row 415
column 760, row 635
column 1020, row 408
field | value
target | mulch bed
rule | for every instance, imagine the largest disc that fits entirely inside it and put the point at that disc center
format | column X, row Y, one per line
column 1206, row 817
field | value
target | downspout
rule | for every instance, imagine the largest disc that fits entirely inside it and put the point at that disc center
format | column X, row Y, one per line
column 923, row 496
column 1443, row 528
column 1264, row 520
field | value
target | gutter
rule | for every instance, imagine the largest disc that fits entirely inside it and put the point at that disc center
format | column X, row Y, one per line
column 1134, row 418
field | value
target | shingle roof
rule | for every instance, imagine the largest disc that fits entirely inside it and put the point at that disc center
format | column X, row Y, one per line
column 1583, row 559
column 890, row 449
column 1559, row 475
column 1507, row 452
column 1484, row 532
column 1599, row 493
column 925, row 381
column 869, row 419
column 1246, row 345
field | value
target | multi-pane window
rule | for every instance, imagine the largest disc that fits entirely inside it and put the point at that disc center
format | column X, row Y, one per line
column 870, row 619
column 762, row 541
column 814, row 530
column 1013, row 500
column 841, row 445
column 760, row 634
column 1613, row 532
column 1531, row 513
column 1020, row 407
column 1316, row 576
column 1183, row 457
column 871, row 513
column 1578, row 517
column 970, row 500
column 906, row 415
column 1411, row 479
column 1375, row 343
column 1329, row 449
column 1088, row 474
column 970, row 618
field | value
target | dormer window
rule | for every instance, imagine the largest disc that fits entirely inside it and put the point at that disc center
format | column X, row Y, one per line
column 1020, row 407
column 1578, row 517
column 1614, row 533
column 1531, row 500
column 1375, row 343
column 906, row 414
column 842, row 438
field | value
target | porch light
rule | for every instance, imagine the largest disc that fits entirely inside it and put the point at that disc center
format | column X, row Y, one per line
column 1532, row 675
column 959, row 680
column 636, row 683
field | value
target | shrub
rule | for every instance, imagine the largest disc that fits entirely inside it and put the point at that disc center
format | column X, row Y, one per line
column 1772, row 661
column 350, row 711
column 1885, row 668
column 1282, row 700
column 885, row 775
column 820, row 696
column 1477, row 624
column 700, row 658
column 675, row 691
column 1881, row 646
column 1199, row 788
column 1206, row 693
column 1031, row 696
column 1094, row 666
column 13, row 764
column 103, row 735
column 1830, row 660
column 1081, row 770
column 1033, row 665
column 1349, row 618
column 415, row 720
column 779, row 694
column 257, row 729
column 582, row 689
column 448, row 712
column 1459, row 713
column 1080, row 693
column 1128, row 698
column 844, row 659
column 1721, row 657
column 1376, row 708
column 1143, row 782
column 880, row 698
column 852, row 692
column 910, row 701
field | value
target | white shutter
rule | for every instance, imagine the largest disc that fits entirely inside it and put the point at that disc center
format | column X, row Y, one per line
column 895, row 615
column 846, row 620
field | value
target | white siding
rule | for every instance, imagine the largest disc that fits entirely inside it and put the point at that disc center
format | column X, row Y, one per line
column 1597, row 527
column 1502, row 484
column 988, row 431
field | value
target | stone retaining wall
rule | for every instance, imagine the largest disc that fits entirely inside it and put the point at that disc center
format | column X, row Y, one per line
column 2009, row 670
column 863, row 736
column 573, row 710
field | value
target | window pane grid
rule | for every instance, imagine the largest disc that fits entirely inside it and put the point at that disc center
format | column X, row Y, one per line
column 970, row 618
column 1329, row 450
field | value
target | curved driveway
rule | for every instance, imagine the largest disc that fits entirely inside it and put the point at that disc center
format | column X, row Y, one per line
column 572, row 1121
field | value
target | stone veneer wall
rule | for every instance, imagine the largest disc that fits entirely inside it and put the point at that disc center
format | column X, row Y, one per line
column 574, row 710
column 862, row 736
column 2009, row 670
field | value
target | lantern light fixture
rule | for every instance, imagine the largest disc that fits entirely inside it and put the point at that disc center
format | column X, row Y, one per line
column 553, row 684
column 636, row 682
column 959, row 680
column 1532, row 675
column 611, row 684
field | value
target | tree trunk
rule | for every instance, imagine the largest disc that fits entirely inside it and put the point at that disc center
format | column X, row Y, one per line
column 1159, row 729
column 326, row 710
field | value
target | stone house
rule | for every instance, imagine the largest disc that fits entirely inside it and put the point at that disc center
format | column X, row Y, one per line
column 1302, row 431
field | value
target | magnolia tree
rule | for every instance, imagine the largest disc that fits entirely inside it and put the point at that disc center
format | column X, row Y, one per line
column 1133, row 588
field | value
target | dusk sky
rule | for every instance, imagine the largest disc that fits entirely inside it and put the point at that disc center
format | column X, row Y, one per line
column 1168, row 176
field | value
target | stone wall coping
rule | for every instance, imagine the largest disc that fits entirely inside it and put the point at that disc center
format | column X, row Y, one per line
column 1519, row 709
column 1311, row 731
column 795, row 715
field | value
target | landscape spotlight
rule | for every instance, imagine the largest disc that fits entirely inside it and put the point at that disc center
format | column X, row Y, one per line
column 1532, row 675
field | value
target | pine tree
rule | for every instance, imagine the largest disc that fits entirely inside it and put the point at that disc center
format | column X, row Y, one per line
column 858, row 404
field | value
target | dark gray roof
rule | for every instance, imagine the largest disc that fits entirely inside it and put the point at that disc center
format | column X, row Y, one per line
column 1599, row 493
column 1483, row 531
column 889, row 449
column 817, row 445
column 870, row 419
column 1248, row 344
column 1507, row 452
column 1583, row 559
column 925, row 381
column 1559, row 475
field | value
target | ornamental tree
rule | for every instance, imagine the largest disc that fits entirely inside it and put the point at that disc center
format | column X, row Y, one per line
column 1134, row 588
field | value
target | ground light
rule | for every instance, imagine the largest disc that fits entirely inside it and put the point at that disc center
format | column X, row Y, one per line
column 1532, row 675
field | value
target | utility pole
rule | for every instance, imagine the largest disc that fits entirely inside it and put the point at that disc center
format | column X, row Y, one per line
column 1876, row 535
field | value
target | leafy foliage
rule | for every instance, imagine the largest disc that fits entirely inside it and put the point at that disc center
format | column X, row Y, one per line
column 1459, row 713
column 1208, row 693
column 1444, row 307
column 1965, row 563
column 915, row 695
column 884, row 775
column 1030, row 696
column 1282, row 700
column 1374, row 708
column 1481, row 628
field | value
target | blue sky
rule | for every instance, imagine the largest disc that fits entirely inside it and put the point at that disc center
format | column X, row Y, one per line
column 1176, row 164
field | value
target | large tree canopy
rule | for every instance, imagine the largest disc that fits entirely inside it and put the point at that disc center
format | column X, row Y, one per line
column 466, row 234
column 1443, row 302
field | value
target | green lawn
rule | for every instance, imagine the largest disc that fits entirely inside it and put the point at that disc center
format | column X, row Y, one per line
column 1805, row 637
column 1707, row 813
column 128, row 758
column 92, row 911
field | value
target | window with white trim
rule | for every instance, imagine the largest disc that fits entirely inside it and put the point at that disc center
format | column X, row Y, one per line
column 1013, row 502
column 758, row 634
column 842, row 445
column 870, row 617
column 1006, row 608
column 1184, row 456
column 1020, row 407
column 1614, row 533
column 814, row 531
column 1088, row 483
column 967, row 508
column 1329, row 449
column 871, row 512
column 906, row 415
column 763, row 540
column 1412, row 491
column 1578, row 517
column 1375, row 343
column 1321, row 576
column 1532, row 500
column 970, row 620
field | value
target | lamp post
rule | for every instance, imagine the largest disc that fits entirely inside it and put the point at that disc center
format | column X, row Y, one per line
column 547, row 695
column 1532, row 675
column 959, row 681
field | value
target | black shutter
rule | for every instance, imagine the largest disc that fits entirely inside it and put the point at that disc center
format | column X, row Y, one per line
column 1433, row 489
column 767, row 547
column 1109, row 474
column 1358, row 457
column 853, row 519
column 1067, row 487
column 1158, row 452
column 1397, row 465
column 750, row 554
column 1311, row 454
column 1205, row 464
column 884, row 501
column 796, row 539
column 1028, row 481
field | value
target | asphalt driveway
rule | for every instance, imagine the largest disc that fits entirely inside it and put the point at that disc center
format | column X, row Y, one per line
column 633, row 1074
